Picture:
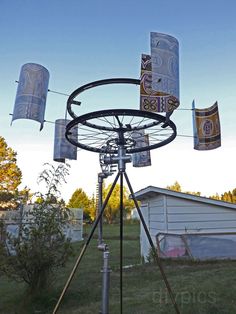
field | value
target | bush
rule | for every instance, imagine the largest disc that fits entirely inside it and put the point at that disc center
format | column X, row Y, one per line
column 40, row 247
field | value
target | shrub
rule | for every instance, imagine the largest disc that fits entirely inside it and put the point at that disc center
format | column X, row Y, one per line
column 40, row 247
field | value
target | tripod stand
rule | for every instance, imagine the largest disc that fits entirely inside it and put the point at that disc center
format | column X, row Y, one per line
column 121, row 160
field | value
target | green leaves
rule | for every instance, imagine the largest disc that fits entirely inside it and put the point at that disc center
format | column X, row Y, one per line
column 40, row 246
column 79, row 199
column 10, row 174
column 112, row 210
column 52, row 177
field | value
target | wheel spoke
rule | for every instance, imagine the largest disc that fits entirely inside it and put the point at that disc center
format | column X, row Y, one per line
column 110, row 127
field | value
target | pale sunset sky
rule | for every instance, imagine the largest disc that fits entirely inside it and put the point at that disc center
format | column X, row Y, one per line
column 83, row 41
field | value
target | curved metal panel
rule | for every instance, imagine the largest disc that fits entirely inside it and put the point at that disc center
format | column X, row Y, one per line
column 165, row 64
column 63, row 149
column 31, row 93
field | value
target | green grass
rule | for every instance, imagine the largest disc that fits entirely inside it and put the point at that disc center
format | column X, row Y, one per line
column 200, row 288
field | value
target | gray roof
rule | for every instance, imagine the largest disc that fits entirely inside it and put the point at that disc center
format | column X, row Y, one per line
column 152, row 191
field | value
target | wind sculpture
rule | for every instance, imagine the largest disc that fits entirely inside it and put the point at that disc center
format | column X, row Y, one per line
column 159, row 92
column 124, row 135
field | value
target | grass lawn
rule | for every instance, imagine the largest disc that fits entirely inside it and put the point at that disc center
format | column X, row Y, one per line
column 200, row 288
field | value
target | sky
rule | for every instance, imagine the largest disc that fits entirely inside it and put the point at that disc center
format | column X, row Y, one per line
column 84, row 41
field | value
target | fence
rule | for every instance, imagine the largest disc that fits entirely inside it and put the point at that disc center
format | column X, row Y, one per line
column 197, row 246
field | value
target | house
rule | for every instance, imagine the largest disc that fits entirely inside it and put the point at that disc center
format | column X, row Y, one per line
column 14, row 218
column 187, row 225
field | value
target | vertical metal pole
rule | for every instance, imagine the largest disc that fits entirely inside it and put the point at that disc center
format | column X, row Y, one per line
column 104, row 248
column 85, row 246
column 100, row 186
column 105, row 283
column 157, row 259
column 121, row 241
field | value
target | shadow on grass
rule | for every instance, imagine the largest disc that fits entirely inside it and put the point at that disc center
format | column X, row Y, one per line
column 199, row 287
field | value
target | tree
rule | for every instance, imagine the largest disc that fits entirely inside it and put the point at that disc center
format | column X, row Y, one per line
column 193, row 193
column 215, row 197
column 234, row 195
column 10, row 175
column 92, row 207
column 112, row 211
column 24, row 195
column 79, row 199
column 40, row 246
column 227, row 197
column 175, row 187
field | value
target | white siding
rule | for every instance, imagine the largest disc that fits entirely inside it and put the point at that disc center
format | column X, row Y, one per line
column 166, row 213
column 157, row 215
column 144, row 244
column 190, row 216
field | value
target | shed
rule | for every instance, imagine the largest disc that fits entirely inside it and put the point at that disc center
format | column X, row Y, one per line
column 180, row 222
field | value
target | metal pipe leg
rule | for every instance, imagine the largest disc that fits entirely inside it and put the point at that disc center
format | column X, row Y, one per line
column 85, row 245
column 157, row 259
column 121, row 241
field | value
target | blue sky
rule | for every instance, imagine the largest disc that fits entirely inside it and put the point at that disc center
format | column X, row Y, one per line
column 83, row 41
